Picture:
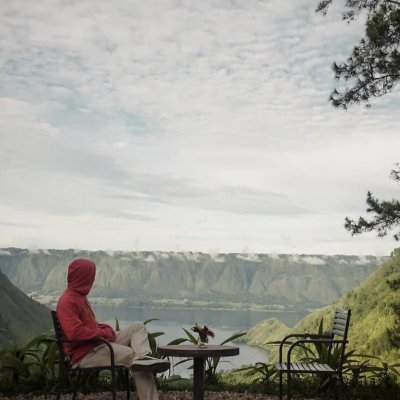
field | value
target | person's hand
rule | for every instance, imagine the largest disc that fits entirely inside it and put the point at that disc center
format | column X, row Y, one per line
column 108, row 332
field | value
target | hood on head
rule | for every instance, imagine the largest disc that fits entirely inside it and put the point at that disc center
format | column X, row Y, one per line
column 81, row 274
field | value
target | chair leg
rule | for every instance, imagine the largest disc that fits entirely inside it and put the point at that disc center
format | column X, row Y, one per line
column 60, row 388
column 280, row 385
column 114, row 395
column 289, row 381
column 340, row 386
column 75, row 387
column 128, row 382
column 74, row 393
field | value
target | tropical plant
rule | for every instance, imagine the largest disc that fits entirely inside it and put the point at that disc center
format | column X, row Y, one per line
column 117, row 328
column 260, row 372
column 28, row 367
column 152, row 336
column 364, row 367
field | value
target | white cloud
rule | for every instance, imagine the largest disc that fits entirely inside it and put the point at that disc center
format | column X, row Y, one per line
column 192, row 256
column 218, row 258
column 149, row 259
column 249, row 257
column 294, row 258
column 34, row 251
column 361, row 260
column 184, row 126
column 313, row 260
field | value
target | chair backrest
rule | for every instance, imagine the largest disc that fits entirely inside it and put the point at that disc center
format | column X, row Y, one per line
column 63, row 363
column 340, row 329
column 341, row 322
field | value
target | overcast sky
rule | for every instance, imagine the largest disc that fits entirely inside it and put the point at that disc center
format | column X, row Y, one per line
column 185, row 125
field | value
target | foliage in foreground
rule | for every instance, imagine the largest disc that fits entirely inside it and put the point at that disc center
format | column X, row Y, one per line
column 32, row 368
column 366, row 377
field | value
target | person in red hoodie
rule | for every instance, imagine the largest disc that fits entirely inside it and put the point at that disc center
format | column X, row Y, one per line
column 79, row 325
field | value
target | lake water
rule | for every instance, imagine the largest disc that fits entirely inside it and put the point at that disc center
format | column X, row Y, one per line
column 223, row 323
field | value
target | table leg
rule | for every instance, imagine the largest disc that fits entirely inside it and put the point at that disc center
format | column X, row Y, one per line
column 198, row 378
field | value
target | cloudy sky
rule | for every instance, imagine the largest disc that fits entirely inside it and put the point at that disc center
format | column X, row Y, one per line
column 185, row 125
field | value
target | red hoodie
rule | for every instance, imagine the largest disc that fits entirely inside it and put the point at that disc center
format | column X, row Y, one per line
column 75, row 314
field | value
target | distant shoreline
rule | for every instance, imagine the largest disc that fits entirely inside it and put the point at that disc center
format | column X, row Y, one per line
column 173, row 304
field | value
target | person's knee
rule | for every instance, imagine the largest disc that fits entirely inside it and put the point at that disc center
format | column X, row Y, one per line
column 125, row 356
column 137, row 327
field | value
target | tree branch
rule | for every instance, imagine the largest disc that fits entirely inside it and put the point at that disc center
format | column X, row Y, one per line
column 393, row 2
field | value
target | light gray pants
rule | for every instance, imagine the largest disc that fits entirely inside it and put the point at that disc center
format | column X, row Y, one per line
column 130, row 344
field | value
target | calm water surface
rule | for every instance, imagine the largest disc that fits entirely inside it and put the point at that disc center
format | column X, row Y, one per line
column 223, row 323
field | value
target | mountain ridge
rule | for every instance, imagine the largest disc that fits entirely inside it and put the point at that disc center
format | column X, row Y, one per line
column 291, row 281
column 21, row 318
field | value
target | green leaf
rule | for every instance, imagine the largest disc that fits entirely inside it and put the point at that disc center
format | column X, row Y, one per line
column 150, row 320
column 184, row 361
column 233, row 337
column 51, row 358
column 178, row 341
column 190, row 336
column 156, row 334
column 15, row 364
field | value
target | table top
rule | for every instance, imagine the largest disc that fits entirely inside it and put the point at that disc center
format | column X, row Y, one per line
column 192, row 350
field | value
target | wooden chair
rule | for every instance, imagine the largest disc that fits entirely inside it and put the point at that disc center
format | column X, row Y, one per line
column 65, row 369
column 337, row 337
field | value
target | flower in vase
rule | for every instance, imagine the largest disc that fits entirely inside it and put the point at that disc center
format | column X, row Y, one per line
column 203, row 332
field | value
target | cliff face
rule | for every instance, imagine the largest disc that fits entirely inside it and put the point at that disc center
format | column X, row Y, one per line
column 288, row 280
column 21, row 318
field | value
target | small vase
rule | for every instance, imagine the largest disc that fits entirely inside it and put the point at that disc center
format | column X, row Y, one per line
column 201, row 343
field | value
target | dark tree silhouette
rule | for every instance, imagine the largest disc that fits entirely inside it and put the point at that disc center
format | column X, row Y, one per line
column 373, row 69
column 386, row 214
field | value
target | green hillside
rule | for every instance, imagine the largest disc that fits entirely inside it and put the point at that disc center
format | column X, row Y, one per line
column 21, row 318
column 375, row 323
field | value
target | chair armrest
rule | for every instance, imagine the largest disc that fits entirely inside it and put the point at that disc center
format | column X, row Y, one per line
column 305, row 335
column 298, row 335
column 108, row 344
column 95, row 340
column 314, row 340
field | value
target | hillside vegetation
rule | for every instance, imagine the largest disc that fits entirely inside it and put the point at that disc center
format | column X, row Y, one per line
column 140, row 278
column 375, row 322
column 21, row 318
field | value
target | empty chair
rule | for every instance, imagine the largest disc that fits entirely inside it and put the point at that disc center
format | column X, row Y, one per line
column 336, row 338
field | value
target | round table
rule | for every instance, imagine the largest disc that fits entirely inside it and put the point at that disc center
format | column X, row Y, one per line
column 199, row 354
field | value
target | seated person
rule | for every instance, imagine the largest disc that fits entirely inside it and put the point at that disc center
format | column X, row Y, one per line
column 78, row 323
